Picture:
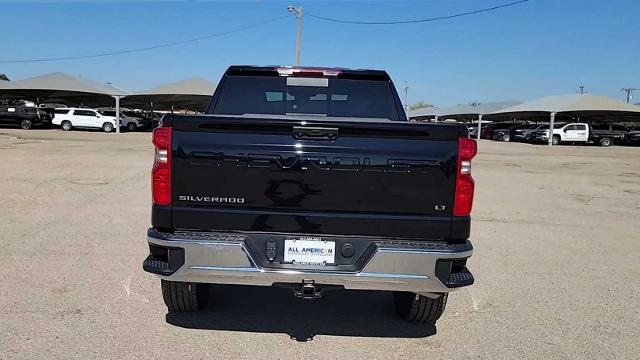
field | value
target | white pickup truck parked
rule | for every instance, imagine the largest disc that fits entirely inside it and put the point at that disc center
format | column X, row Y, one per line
column 578, row 133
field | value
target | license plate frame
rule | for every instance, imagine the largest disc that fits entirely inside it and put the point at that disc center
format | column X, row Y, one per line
column 309, row 251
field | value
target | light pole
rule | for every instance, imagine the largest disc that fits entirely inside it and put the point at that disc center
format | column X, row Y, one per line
column 406, row 96
column 298, row 11
column 629, row 92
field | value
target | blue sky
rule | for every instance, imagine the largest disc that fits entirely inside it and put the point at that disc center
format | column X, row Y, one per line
column 542, row 47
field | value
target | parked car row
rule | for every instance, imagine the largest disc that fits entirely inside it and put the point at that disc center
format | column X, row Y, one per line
column 563, row 132
column 69, row 118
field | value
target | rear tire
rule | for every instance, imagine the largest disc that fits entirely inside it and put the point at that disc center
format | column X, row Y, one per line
column 66, row 125
column 107, row 127
column 555, row 140
column 419, row 309
column 185, row 297
column 506, row 137
column 132, row 126
column 26, row 124
column 605, row 142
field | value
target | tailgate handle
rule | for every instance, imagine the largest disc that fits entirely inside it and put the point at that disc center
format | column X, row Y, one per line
column 317, row 133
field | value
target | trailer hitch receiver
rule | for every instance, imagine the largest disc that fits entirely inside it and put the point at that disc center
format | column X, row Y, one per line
column 308, row 290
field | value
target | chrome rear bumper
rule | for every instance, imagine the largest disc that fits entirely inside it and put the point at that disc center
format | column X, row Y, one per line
column 226, row 259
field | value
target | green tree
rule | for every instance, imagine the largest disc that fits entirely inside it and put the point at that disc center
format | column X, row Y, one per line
column 4, row 77
column 420, row 105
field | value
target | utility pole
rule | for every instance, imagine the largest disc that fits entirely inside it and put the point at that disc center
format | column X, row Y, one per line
column 629, row 92
column 298, row 11
column 581, row 87
column 406, row 96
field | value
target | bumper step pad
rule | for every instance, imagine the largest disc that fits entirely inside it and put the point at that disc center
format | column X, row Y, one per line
column 454, row 273
column 156, row 266
column 163, row 260
column 459, row 279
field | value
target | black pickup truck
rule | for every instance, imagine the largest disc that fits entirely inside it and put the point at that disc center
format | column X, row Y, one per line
column 311, row 179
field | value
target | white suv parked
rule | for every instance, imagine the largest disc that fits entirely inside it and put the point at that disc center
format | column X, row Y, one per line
column 69, row 118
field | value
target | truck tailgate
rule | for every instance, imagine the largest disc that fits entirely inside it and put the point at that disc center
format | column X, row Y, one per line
column 313, row 177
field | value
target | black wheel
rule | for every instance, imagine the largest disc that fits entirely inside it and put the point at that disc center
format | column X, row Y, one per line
column 506, row 137
column 107, row 127
column 605, row 142
column 420, row 309
column 185, row 297
column 26, row 124
column 132, row 126
column 66, row 125
column 555, row 140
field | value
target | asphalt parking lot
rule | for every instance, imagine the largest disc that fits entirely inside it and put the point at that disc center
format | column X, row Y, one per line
column 556, row 265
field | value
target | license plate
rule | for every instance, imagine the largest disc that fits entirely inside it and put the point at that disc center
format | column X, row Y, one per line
column 309, row 251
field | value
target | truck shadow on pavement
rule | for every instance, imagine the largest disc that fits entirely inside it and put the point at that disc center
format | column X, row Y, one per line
column 276, row 310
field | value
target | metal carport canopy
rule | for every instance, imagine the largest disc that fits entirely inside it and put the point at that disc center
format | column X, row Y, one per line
column 587, row 105
column 60, row 87
column 461, row 112
column 464, row 112
column 423, row 113
column 63, row 88
column 590, row 106
column 193, row 93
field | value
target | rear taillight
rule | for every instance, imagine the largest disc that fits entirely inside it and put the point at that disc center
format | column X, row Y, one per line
column 467, row 149
column 161, row 172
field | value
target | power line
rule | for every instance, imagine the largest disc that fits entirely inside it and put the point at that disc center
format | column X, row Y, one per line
column 148, row 48
column 228, row 32
column 420, row 20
